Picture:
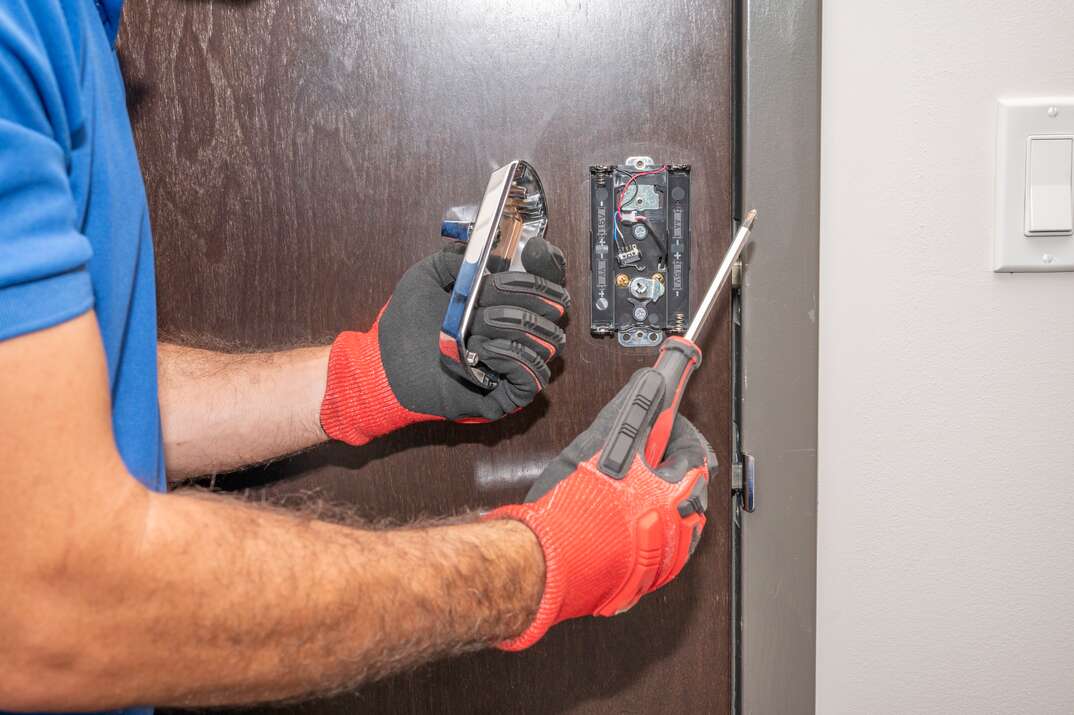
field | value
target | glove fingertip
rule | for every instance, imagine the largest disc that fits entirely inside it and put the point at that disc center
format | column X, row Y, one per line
column 541, row 258
column 445, row 265
column 522, row 373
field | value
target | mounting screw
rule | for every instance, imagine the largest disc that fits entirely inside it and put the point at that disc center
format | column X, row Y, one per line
column 622, row 280
column 658, row 277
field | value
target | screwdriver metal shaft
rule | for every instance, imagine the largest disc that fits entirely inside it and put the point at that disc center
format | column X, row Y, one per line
column 733, row 252
column 647, row 417
column 679, row 357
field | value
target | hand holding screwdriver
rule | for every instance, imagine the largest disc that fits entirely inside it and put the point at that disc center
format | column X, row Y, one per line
column 619, row 512
column 609, row 541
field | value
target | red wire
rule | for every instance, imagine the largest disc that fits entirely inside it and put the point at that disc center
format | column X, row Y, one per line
column 619, row 201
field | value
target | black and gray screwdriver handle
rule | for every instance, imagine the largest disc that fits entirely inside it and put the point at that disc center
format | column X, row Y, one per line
column 644, row 422
column 646, row 419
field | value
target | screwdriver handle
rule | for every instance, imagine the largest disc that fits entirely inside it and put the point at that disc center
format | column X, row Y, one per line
column 678, row 359
column 643, row 423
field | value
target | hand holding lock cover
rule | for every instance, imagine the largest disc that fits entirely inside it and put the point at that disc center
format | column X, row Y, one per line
column 491, row 306
column 512, row 213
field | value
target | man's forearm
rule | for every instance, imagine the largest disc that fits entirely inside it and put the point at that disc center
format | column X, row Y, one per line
column 112, row 595
column 222, row 411
column 214, row 602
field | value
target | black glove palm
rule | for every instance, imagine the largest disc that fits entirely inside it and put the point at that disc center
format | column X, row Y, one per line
column 513, row 333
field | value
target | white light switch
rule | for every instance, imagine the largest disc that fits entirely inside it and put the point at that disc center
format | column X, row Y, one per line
column 1048, row 186
column 1034, row 201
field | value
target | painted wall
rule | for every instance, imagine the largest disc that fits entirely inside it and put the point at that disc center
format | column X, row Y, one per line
column 946, row 419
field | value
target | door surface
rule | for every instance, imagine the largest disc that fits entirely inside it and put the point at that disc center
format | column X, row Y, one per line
column 299, row 155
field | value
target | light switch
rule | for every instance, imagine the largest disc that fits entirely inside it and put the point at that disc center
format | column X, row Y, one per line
column 1034, row 176
column 1048, row 186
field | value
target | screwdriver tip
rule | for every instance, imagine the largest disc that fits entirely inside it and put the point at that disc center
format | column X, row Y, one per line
column 748, row 221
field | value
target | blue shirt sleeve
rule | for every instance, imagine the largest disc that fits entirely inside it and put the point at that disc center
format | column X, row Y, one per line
column 43, row 257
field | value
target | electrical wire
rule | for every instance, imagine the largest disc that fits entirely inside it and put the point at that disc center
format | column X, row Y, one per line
column 617, row 237
column 619, row 202
column 631, row 180
column 659, row 241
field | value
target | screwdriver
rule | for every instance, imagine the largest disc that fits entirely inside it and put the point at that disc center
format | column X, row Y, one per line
column 656, row 396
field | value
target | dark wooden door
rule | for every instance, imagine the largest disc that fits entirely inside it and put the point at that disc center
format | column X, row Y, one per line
column 299, row 154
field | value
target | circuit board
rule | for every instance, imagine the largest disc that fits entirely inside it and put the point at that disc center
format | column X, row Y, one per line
column 639, row 250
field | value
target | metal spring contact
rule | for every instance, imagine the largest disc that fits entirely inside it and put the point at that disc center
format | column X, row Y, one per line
column 678, row 323
column 601, row 173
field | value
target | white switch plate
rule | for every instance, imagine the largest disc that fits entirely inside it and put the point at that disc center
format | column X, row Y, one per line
column 1020, row 119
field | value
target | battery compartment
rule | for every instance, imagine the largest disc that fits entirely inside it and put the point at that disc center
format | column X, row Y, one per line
column 639, row 250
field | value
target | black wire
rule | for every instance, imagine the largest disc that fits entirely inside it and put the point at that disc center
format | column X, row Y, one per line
column 661, row 244
column 635, row 186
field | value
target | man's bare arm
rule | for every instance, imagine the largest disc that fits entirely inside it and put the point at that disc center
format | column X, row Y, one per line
column 115, row 596
column 221, row 411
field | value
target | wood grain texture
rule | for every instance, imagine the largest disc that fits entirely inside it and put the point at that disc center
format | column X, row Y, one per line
column 299, row 155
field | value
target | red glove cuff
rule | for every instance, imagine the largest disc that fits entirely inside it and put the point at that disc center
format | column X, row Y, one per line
column 359, row 404
column 587, row 552
column 554, row 587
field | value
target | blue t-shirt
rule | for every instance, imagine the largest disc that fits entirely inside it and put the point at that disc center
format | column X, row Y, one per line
column 74, row 223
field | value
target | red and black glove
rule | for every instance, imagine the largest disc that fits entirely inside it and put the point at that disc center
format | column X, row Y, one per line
column 609, row 540
column 391, row 376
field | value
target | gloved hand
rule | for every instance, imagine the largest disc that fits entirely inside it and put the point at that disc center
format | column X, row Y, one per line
column 608, row 541
column 391, row 376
